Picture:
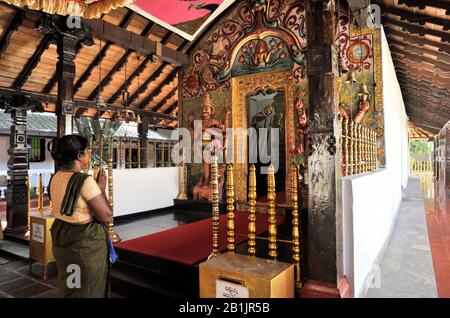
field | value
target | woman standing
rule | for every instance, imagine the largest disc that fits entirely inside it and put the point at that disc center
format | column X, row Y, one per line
column 81, row 212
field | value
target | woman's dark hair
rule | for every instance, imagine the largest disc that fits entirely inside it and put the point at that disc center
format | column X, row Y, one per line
column 65, row 150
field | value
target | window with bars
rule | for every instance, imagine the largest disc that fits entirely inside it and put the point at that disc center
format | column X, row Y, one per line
column 36, row 149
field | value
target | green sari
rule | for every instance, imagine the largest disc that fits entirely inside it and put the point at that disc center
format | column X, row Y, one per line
column 81, row 254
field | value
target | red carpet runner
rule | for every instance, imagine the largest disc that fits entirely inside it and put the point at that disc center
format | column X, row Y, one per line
column 192, row 243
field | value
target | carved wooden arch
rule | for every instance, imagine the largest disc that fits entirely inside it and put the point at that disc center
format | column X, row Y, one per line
column 243, row 87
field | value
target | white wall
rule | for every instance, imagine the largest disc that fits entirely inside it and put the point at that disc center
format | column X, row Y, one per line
column 140, row 190
column 371, row 200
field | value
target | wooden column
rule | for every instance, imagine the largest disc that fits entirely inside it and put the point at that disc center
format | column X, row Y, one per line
column 143, row 131
column 67, row 40
column 17, row 197
column 322, row 162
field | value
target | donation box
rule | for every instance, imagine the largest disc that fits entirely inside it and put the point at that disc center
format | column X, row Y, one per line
column 41, row 241
column 233, row 275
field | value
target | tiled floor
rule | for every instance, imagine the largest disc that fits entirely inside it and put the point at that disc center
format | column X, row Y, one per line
column 16, row 281
column 407, row 267
column 438, row 220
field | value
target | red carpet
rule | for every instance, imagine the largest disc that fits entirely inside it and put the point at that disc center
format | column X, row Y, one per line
column 192, row 243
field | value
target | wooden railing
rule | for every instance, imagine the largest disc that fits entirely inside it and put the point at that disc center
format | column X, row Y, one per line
column 359, row 148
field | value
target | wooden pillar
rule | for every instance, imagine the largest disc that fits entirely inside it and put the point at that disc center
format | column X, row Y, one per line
column 17, row 197
column 323, row 161
column 67, row 40
column 143, row 131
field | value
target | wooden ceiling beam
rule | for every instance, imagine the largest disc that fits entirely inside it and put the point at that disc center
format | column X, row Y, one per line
column 422, row 4
column 417, row 57
column 157, row 73
column 159, row 89
column 33, row 61
column 164, row 100
column 51, row 99
column 420, row 68
column 135, row 42
column 12, row 27
column 118, row 66
column 101, row 55
column 416, row 17
column 421, row 41
column 137, row 72
column 414, row 29
column 417, row 49
column 422, row 80
column 171, row 108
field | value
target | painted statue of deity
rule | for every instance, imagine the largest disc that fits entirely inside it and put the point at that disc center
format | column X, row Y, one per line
column 363, row 103
column 302, row 120
column 213, row 136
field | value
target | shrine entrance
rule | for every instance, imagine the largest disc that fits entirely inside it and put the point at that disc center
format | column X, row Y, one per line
column 262, row 101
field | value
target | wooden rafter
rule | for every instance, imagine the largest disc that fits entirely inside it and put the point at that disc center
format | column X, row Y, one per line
column 32, row 62
column 12, row 27
column 419, row 58
column 171, row 108
column 414, row 29
column 422, row 4
column 147, row 82
column 158, row 90
column 51, row 99
column 417, row 49
column 101, row 55
column 415, row 17
column 421, row 41
column 164, row 100
column 135, row 42
column 137, row 72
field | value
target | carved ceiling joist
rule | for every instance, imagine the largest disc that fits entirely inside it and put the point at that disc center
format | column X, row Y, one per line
column 413, row 17
column 414, row 29
column 417, row 49
column 12, row 27
column 100, row 56
column 33, row 61
column 421, row 41
column 422, row 4
column 165, row 99
column 157, row 73
column 137, row 72
column 116, row 68
column 51, row 99
column 171, row 108
column 444, row 65
column 422, row 79
column 158, row 90
column 135, row 42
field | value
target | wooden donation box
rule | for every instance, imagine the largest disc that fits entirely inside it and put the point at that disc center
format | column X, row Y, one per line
column 41, row 241
column 240, row 276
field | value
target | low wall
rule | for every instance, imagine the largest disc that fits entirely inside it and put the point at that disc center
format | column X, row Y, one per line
column 140, row 190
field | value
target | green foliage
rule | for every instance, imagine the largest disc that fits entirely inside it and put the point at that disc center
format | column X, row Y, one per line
column 417, row 146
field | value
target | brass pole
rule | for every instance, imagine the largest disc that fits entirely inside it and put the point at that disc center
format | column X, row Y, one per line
column 364, row 133
column 155, row 155
column 271, row 196
column 95, row 173
column 100, row 162
column 120, row 153
column 252, row 211
column 41, row 195
column 215, row 207
column 341, row 144
column 230, row 209
column 183, row 195
column 147, row 158
column 86, row 168
column 351, row 140
column 163, row 157
column 111, row 231
column 130, row 153
column 139, row 153
column 296, row 228
column 346, row 143
column 29, row 202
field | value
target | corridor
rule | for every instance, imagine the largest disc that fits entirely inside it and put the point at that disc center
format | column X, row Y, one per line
column 416, row 261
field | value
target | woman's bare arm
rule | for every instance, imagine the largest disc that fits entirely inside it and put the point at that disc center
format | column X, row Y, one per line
column 100, row 208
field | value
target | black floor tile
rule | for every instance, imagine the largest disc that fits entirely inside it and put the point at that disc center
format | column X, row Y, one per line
column 15, row 285
column 8, row 276
column 30, row 291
